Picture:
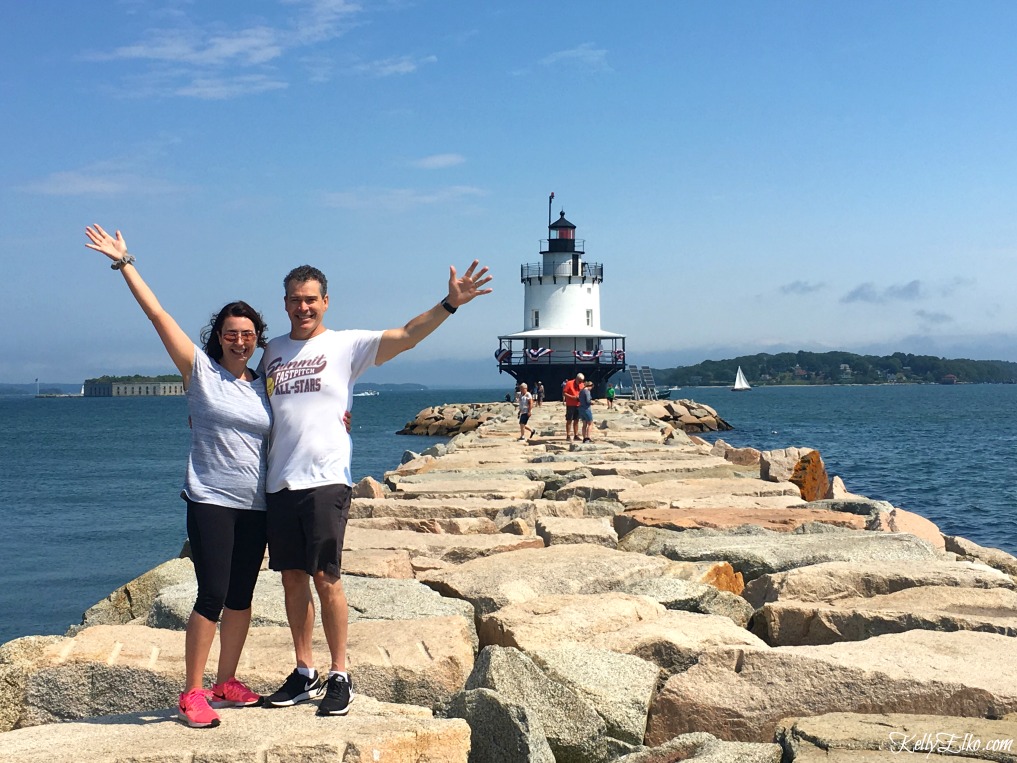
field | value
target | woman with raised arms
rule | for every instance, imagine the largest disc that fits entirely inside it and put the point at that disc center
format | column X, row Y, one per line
column 224, row 484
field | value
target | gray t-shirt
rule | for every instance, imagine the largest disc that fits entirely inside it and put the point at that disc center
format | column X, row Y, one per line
column 585, row 399
column 230, row 423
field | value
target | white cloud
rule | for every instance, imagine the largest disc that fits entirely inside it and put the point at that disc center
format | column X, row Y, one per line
column 585, row 55
column 801, row 287
column 438, row 161
column 213, row 61
column 127, row 173
column 246, row 47
column 322, row 20
column 98, row 183
column 933, row 317
column 388, row 67
column 223, row 88
column 868, row 292
column 956, row 284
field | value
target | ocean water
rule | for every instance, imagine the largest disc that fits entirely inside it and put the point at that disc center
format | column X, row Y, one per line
column 89, row 487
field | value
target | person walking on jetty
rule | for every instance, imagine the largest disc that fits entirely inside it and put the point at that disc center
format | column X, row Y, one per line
column 525, row 404
column 540, row 393
column 610, row 396
column 224, row 485
column 310, row 374
column 586, row 409
column 570, row 392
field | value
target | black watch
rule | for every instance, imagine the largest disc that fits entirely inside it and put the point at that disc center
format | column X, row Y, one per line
column 447, row 306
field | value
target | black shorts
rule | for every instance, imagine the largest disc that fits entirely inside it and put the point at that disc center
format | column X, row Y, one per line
column 571, row 413
column 523, row 418
column 306, row 528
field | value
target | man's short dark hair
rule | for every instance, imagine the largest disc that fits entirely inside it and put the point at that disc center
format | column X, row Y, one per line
column 303, row 274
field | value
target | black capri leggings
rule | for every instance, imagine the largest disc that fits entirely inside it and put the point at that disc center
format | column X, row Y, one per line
column 227, row 548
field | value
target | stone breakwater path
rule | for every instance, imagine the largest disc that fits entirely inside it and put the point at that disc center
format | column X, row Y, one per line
column 645, row 597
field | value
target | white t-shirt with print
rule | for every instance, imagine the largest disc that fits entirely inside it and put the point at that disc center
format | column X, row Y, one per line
column 310, row 384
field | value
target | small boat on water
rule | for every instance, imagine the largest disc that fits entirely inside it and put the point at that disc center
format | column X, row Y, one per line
column 741, row 383
column 367, row 393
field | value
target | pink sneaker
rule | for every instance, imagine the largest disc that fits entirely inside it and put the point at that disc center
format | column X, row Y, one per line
column 194, row 710
column 233, row 693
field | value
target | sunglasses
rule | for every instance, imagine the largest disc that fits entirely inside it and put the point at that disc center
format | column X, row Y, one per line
column 232, row 336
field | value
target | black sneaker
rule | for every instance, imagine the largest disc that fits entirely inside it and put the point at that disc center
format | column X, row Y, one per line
column 298, row 688
column 338, row 696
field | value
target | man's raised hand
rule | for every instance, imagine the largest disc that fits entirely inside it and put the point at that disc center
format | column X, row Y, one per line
column 471, row 284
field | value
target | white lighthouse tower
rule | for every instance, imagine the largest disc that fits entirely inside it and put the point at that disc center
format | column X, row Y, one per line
column 562, row 334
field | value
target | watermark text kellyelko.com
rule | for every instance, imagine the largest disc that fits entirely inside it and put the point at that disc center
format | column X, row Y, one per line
column 946, row 743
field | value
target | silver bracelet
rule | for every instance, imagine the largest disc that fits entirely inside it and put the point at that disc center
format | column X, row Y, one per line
column 127, row 259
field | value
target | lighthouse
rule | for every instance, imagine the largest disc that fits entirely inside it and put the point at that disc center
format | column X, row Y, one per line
column 562, row 334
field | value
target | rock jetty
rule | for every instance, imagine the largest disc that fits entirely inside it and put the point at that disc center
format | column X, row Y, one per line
column 457, row 418
column 645, row 597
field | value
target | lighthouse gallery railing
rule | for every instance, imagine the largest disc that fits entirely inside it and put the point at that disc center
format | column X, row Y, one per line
column 589, row 270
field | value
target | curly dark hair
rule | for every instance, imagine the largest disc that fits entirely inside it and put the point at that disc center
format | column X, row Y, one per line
column 303, row 274
column 240, row 309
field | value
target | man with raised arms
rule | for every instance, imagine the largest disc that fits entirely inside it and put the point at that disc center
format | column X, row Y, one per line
column 310, row 374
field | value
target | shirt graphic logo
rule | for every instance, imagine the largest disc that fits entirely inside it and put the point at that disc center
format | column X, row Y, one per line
column 294, row 376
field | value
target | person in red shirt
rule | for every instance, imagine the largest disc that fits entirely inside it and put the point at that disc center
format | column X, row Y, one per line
column 571, row 393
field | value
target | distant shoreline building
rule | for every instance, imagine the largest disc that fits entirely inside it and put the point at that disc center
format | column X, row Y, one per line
column 561, row 333
column 134, row 386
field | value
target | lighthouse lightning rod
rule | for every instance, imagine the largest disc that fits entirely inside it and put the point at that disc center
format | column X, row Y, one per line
column 549, row 200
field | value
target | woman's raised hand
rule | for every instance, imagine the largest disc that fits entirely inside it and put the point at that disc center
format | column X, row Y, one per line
column 113, row 247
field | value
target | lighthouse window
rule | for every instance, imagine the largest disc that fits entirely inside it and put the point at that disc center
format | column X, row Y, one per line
column 589, row 317
column 536, row 319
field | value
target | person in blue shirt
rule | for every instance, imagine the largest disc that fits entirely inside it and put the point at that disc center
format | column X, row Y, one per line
column 586, row 409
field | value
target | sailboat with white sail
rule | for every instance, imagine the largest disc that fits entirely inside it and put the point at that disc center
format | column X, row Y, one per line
column 741, row 383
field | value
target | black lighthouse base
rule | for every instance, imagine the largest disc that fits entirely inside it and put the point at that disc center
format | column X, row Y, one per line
column 555, row 375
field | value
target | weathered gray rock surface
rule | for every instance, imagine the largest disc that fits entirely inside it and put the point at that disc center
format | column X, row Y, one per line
column 619, row 686
column 685, row 595
column 110, row 669
column 673, row 640
column 768, row 552
column 574, row 730
column 492, row 582
column 991, row 556
column 705, row 748
column 373, row 731
column 501, row 730
column 938, row 608
column 860, row 738
column 690, row 493
column 725, row 517
column 742, row 694
column 134, row 599
column 834, row 580
column 368, row 599
column 559, row 530
column 452, row 548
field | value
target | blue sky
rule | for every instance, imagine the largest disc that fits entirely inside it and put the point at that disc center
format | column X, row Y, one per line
column 754, row 176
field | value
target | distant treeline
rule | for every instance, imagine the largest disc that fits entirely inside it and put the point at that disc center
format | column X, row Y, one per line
column 46, row 388
column 839, row 368
column 136, row 379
